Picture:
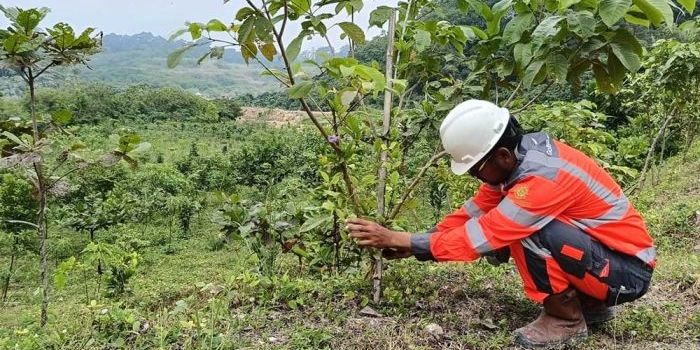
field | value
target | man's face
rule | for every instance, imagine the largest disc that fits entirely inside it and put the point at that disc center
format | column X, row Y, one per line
column 495, row 168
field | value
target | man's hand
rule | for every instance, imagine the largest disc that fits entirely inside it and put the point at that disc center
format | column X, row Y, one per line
column 370, row 234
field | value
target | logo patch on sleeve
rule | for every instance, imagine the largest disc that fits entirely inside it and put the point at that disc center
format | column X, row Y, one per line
column 520, row 192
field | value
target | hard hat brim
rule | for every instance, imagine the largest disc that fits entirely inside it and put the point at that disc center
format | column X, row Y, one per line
column 459, row 168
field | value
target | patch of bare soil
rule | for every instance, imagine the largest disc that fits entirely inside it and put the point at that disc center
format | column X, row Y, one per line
column 272, row 116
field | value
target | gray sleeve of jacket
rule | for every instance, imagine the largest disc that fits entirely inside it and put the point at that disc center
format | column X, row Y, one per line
column 420, row 245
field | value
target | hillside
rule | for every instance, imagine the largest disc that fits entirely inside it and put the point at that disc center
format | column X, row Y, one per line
column 141, row 59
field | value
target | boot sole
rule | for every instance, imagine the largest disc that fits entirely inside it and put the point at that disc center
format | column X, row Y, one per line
column 599, row 318
column 576, row 339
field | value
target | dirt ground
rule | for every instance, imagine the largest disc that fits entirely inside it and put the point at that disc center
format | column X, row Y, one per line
column 272, row 116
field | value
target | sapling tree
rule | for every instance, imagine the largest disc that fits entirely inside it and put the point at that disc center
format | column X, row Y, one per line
column 31, row 51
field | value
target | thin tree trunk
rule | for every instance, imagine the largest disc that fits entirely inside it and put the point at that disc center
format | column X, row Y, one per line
column 650, row 154
column 383, row 156
column 41, row 217
column 6, row 285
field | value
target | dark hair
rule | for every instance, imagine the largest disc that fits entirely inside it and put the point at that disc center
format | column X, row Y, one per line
column 511, row 136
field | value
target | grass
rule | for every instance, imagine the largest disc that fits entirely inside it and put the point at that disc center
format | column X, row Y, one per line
column 188, row 295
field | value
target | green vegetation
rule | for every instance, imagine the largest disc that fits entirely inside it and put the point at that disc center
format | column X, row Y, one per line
column 224, row 234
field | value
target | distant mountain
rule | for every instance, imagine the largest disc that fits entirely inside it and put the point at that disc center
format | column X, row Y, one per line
column 141, row 59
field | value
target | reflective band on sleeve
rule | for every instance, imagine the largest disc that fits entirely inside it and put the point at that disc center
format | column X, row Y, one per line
column 530, row 245
column 647, row 255
column 420, row 246
column 477, row 237
column 521, row 216
column 472, row 209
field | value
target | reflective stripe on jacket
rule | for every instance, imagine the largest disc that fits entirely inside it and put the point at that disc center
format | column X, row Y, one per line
column 551, row 180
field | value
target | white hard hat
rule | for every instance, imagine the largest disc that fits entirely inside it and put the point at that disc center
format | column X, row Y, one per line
column 470, row 131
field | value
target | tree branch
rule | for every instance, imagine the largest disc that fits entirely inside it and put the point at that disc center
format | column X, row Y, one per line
column 512, row 96
column 414, row 183
column 44, row 69
column 527, row 105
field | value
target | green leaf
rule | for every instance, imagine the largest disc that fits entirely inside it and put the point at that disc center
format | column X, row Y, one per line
column 176, row 34
column 269, row 51
column 301, row 6
column 617, row 73
column 626, row 55
column 353, row 31
column 516, row 27
column 565, row 4
column 545, row 30
column 688, row 5
column 215, row 25
column 300, row 89
column 176, row 56
column 479, row 33
column 263, row 29
column 422, row 39
column 29, row 19
column 244, row 13
column 379, row 16
column 195, row 30
column 631, row 18
column 522, row 53
column 294, row 48
column 300, row 252
column 314, row 223
column 532, row 71
column 61, row 116
column 245, row 29
column 657, row 11
column 372, row 74
column 582, row 23
column 602, row 79
column 558, row 66
column 612, row 11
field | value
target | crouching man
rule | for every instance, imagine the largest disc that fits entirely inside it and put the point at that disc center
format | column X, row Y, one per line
column 578, row 243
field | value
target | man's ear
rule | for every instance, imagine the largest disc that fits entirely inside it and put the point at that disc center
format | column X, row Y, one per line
column 505, row 156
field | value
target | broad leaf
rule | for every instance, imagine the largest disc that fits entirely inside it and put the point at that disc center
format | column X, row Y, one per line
column 582, row 23
column 688, row 5
column 263, row 29
column 532, row 71
column 294, row 48
column 353, row 31
column 558, row 66
column 612, row 11
column 516, row 27
column 269, row 51
column 657, row 11
column 545, row 30
column 300, row 89
column 176, row 56
column 522, row 54
column 244, row 13
column 215, row 25
column 565, row 4
column 314, row 223
column 245, row 30
column 62, row 116
column 627, row 53
column 422, row 39
column 379, row 16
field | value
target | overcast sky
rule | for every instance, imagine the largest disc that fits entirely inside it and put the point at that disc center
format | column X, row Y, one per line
column 160, row 17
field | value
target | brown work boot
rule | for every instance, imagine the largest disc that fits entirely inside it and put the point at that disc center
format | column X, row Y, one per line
column 595, row 311
column 560, row 323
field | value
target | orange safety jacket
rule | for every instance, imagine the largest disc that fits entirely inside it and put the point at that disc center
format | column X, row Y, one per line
column 551, row 181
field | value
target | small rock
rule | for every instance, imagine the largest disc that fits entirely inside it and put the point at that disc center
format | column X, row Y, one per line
column 104, row 312
column 368, row 311
column 633, row 333
column 435, row 330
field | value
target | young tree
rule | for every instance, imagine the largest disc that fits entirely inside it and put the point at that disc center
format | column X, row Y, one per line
column 31, row 51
